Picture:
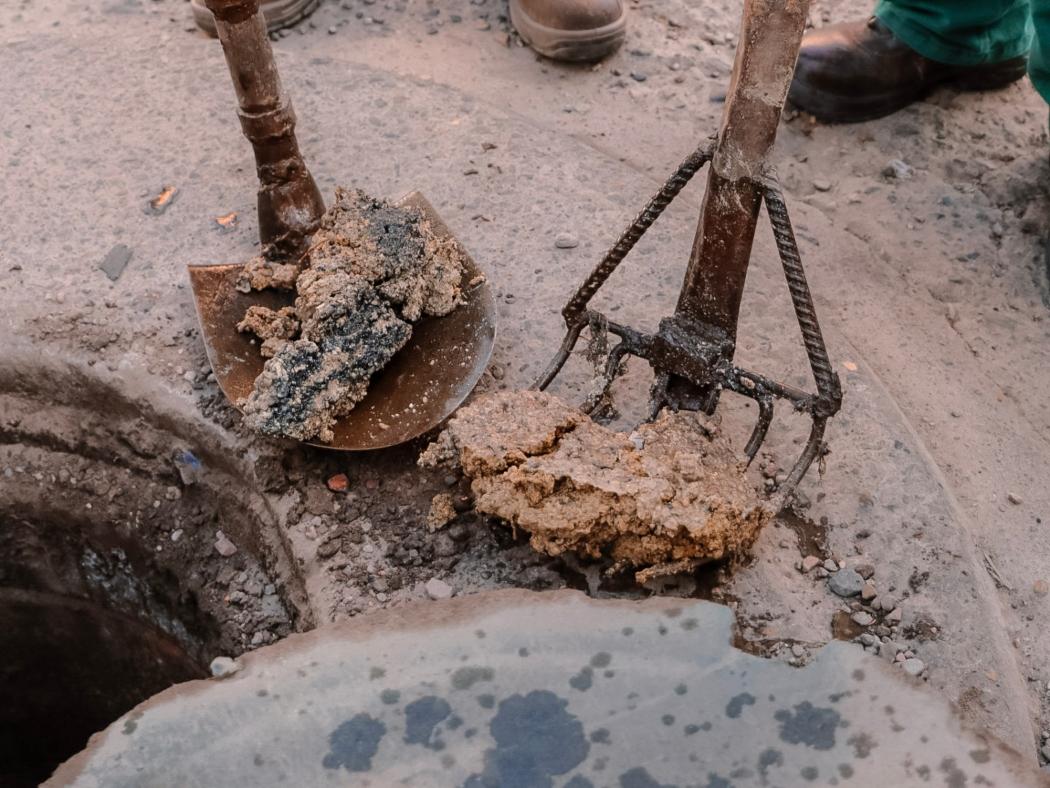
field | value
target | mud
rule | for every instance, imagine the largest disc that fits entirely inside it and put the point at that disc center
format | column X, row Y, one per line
column 373, row 269
column 667, row 498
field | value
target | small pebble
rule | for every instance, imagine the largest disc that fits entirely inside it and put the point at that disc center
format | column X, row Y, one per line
column 639, row 76
column 913, row 666
column 894, row 616
column 566, row 241
column 809, row 563
column 1014, row 499
column 898, row 169
column 831, row 565
column 224, row 546
column 338, row 483
column 437, row 588
column 822, row 185
column 221, row 667
column 846, row 583
column 868, row 592
column 863, row 619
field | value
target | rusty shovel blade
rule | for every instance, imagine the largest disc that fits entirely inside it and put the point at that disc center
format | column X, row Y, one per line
column 421, row 386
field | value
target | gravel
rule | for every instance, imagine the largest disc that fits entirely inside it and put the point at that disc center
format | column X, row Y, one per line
column 913, row 666
column 437, row 588
column 846, row 582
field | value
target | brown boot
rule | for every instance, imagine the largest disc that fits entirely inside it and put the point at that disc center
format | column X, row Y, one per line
column 570, row 29
column 278, row 13
column 860, row 71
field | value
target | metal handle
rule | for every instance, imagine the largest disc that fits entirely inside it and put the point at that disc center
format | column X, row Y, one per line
column 290, row 204
column 770, row 35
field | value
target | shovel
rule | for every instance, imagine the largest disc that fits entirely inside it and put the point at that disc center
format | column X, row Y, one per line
column 691, row 353
column 445, row 357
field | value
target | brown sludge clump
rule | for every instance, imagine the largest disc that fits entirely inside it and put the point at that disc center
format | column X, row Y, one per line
column 668, row 497
column 373, row 269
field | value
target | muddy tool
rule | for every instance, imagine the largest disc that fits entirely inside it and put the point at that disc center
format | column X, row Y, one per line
column 445, row 356
column 692, row 351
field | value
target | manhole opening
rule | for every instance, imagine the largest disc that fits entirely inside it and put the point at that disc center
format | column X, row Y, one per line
column 113, row 582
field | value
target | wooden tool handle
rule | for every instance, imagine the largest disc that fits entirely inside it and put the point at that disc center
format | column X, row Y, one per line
column 290, row 205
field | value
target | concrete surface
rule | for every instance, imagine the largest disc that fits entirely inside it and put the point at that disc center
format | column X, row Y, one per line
column 516, row 689
column 943, row 417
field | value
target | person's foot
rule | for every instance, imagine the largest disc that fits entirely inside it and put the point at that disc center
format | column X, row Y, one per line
column 570, row 29
column 861, row 71
column 278, row 13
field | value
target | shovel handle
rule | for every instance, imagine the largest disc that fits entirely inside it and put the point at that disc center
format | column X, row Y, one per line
column 290, row 205
column 770, row 35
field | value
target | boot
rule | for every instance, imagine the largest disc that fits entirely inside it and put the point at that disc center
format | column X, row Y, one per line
column 857, row 71
column 570, row 29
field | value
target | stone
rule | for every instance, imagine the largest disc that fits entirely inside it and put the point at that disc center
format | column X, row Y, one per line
column 221, row 667
column 115, row 261
column 566, row 241
column 863, row 619
column 867, row 571
column 338, row 483
column 437, row 588
column 867, row 593
column 913, row 666
column 822, row 185
column 224, row 546
column 809, row 563
column 894, row 616
column 846, row 582
column 1014, row 499
column 897, row 169
column 831, row 564
column 1041, row 587
column 176, row 535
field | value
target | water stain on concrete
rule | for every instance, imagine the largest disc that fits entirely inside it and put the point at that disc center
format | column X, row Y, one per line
column 737, row 702
column 354, row 743
column 536, row 739
column 421, row 717
column 809, row 725
column 638, row 777
column 466, row 677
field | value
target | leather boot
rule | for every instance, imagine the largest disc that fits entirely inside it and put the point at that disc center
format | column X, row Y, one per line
column 570, row 29
column 278, row 13
column 860, row 71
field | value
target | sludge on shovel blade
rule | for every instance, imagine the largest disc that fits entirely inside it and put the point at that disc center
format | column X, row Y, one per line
column 416, row 391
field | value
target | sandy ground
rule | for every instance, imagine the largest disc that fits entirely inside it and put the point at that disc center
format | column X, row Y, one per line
column 935, row 276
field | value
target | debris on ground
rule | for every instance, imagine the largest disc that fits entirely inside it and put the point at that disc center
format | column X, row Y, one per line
column 162, row 201
column 578, row 487
column 373, row 269
column 442, row 511
column 115, row 261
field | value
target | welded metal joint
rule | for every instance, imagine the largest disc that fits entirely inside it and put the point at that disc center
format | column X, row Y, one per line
column 289, row 203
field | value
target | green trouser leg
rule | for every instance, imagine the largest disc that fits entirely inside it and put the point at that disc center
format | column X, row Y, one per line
column 1038, row 63
column 972, row 32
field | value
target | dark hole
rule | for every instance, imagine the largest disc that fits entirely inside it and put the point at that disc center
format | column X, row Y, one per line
column 88, row 630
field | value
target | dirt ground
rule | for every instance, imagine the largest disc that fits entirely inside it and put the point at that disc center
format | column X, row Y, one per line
column 923, row 234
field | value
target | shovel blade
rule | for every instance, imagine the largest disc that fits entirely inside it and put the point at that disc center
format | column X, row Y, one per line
column 420, row 387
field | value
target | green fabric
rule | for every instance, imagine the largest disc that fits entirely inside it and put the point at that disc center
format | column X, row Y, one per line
column 972, row 32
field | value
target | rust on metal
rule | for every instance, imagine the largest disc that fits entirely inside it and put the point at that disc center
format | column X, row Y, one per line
column 445, row 357
column 691, row 353
column 290, row 204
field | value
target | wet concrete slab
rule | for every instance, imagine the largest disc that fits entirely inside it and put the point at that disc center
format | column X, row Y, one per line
column 524, row 689
column 85, row 177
